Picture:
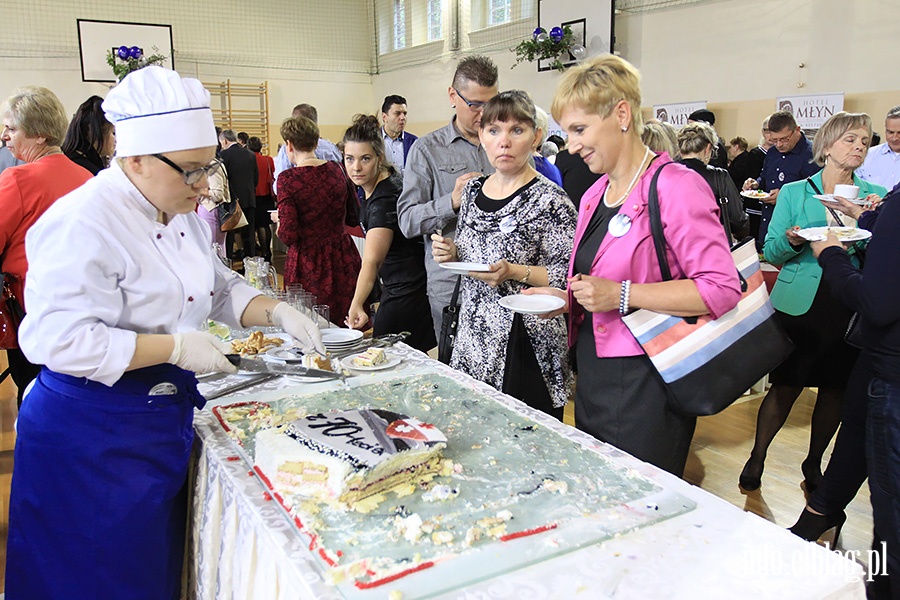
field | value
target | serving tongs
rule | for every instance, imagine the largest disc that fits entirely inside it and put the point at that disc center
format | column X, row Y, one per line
column 261, row 366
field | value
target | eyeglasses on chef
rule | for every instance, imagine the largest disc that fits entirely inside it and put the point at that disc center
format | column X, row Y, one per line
column 194, row 175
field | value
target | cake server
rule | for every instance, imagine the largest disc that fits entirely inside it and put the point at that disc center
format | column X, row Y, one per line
column 261, row 366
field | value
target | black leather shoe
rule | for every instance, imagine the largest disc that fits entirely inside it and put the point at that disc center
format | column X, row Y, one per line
column 751, row 476
column 811, row 526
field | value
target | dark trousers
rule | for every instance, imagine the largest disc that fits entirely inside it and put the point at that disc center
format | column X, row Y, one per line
column 248, row 233
column 846, row 470
column 522, row 378
column 883, row 455
column 406, row 312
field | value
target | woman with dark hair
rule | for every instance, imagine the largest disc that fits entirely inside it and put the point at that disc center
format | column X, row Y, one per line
column 697, row 144
column 315, row 202
column 522, row 225
column 265, row 198
column 91, row 139
column 399, row 262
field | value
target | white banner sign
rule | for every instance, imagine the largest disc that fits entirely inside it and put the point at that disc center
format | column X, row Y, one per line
column 676, row 114
column 811, row 111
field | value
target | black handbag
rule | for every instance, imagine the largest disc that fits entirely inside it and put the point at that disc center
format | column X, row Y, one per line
column 449, row 323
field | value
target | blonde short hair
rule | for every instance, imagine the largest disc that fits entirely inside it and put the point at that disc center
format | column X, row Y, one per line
column 656, row 137
column 694, row 137
column 597, row 86
column 837, row 125
column 38, row 112
column 542, row 122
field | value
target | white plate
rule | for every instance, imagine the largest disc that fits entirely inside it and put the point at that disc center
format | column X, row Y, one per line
column 461, row 268
column 337, row 336
column 285, row 355
column 830, row 198
column 752, row 194
column 844, row 234
column 537, row 304
column 389, row 362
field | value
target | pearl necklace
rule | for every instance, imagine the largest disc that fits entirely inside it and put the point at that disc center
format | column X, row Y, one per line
column 634, row 179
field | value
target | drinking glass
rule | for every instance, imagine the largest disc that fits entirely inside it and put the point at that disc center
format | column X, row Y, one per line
column 323, row 315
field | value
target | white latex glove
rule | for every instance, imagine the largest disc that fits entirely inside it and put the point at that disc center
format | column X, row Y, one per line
column 201, row 352
column 299, row 327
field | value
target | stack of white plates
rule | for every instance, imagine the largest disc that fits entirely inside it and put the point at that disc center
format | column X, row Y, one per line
column 338, row 340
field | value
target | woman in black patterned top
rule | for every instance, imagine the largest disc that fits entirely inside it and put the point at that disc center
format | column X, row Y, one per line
column 399, row 262
column 522, row 225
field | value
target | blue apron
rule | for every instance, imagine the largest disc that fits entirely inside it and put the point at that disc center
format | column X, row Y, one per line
column 99, row 489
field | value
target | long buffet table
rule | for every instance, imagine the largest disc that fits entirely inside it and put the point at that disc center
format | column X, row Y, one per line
column 242, row 546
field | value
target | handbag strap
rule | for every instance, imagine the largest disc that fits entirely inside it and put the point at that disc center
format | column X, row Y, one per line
column 722, row 201
column 834, row 213
column 656, row 228
column 455, row 298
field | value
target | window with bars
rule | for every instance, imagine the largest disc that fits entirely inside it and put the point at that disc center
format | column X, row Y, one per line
column 399, row 24
column 500, row 12
column 435, row 20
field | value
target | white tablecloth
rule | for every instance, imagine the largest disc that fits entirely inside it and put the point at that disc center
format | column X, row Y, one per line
column 243, row 547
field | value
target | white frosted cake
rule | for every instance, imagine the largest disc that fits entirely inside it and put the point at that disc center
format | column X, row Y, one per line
column 348, row 455
column 370, row 358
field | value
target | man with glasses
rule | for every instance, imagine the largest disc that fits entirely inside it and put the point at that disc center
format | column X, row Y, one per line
column 243, row 175
column 788, row 160
column 438, row 167
column 882, row 165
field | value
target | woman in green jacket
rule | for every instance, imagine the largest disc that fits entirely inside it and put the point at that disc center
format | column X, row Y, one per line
column 813, row 319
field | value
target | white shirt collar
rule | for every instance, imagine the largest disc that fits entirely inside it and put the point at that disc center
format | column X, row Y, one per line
column 131, row 194
column 388, row 137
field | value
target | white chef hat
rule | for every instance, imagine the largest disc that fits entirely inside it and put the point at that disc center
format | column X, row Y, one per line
column 157, row 110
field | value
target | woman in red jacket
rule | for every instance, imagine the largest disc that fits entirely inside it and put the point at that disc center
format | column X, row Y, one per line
column 34, row 125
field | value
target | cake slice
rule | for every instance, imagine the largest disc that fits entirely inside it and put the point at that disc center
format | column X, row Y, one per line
column 317, row 361
column 369, row 358
column 343, row 457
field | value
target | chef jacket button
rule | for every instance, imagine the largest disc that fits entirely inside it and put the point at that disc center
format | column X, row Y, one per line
column 212, row 293
column 190, row 298
column 158, row 236
column 588, row 207
column 601, row 329
column 634, row 207
column 182, row 234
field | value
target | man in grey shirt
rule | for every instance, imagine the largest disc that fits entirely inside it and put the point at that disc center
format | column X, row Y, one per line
column 438, row 167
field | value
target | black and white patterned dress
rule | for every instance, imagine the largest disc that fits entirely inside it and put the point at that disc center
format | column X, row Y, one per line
column 537, row 228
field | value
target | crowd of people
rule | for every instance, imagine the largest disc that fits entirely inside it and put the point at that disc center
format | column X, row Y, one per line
column 524, row 212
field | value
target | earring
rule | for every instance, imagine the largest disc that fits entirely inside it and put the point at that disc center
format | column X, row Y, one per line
column 453, row 106
column 624, row 128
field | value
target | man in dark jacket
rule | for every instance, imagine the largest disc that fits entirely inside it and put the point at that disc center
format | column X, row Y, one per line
column 243, row 175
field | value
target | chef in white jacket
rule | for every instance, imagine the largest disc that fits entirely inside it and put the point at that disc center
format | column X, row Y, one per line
column 121, row 282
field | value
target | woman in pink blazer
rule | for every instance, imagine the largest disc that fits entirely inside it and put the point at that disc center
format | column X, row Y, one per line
column 620, row 398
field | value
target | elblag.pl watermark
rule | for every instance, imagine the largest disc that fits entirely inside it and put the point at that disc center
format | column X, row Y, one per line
column 810, row 562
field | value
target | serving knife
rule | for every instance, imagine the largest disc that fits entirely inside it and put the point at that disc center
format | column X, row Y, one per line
column 261, row 366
